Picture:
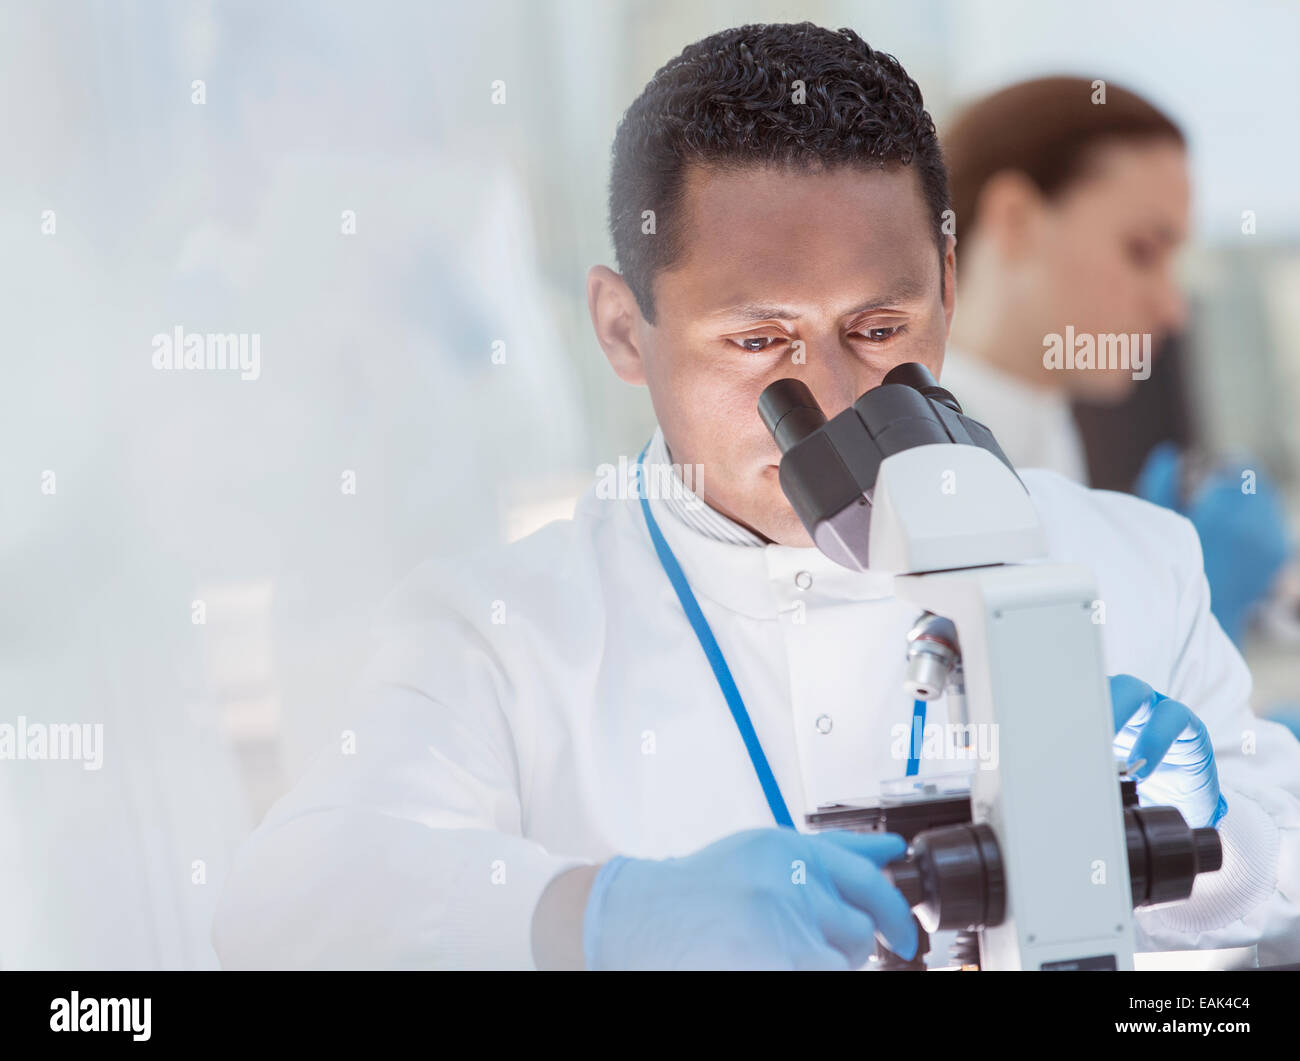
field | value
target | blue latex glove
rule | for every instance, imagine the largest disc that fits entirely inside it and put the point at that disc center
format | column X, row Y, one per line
column 1243, row 536
column 736, row 905
column 1179, row 769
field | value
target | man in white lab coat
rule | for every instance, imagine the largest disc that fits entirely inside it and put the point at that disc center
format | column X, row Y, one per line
column 551, row 769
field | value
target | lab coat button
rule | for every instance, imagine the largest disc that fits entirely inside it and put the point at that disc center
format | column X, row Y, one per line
column 823, row 723
column 803, row 580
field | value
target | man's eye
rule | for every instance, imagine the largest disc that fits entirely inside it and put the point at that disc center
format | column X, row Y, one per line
column 881, row 335
column 764, row 342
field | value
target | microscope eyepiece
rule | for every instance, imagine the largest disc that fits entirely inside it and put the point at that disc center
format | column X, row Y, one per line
column 915, row 375
column 828, row 470
column 790, row 412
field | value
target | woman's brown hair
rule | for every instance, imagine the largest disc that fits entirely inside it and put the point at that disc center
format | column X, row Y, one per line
column 1047, row 129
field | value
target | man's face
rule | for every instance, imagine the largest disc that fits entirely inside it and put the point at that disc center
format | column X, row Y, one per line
column 830, row 278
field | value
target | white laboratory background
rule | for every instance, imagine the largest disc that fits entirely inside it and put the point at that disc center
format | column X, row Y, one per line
column 472, row 229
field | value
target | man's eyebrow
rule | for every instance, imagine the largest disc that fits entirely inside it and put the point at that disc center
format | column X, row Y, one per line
column 752, row 311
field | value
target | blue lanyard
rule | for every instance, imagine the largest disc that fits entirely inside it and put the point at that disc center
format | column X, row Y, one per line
column 714, row 654
column 914, row 740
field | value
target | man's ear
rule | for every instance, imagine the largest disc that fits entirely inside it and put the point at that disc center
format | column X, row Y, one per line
column 949, row 283
column 615, row 316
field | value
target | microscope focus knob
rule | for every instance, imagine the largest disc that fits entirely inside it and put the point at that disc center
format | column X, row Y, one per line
column 953, row 878
column 1165, row 854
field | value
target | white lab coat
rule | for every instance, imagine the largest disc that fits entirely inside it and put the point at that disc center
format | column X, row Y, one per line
column 1034, row 425
column 546, row 704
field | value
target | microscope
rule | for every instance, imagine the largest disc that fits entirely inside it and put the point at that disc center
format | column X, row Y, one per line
column 1039, row 863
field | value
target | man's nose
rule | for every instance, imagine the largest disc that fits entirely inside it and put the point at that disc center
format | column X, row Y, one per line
column 833, row 375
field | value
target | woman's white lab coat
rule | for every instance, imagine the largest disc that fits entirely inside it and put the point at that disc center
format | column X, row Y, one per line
column 1034, row 425
column 546, row 704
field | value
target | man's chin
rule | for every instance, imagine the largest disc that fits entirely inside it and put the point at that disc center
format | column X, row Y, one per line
column 782, row 527
column 765, row 511
column 794, row 536
column 773, row 517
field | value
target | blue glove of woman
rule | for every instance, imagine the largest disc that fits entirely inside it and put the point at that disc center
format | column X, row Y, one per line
column 1168, row 750
column 762, row 899
column 1243, row 536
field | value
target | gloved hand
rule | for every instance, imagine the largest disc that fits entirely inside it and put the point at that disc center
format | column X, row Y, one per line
column 1243, row 536
column 760, row 899
column 1179, row 769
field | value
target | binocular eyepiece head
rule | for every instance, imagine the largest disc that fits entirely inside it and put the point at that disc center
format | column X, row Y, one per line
column 791, row 413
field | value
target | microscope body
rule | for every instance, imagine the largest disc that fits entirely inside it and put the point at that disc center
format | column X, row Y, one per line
column 903, row 482
column 1032, row 659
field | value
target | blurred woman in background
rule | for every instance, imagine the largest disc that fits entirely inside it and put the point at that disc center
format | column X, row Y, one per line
column 1071, row 199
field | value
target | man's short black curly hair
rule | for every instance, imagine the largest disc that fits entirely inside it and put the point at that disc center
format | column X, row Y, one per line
column 728, row 100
